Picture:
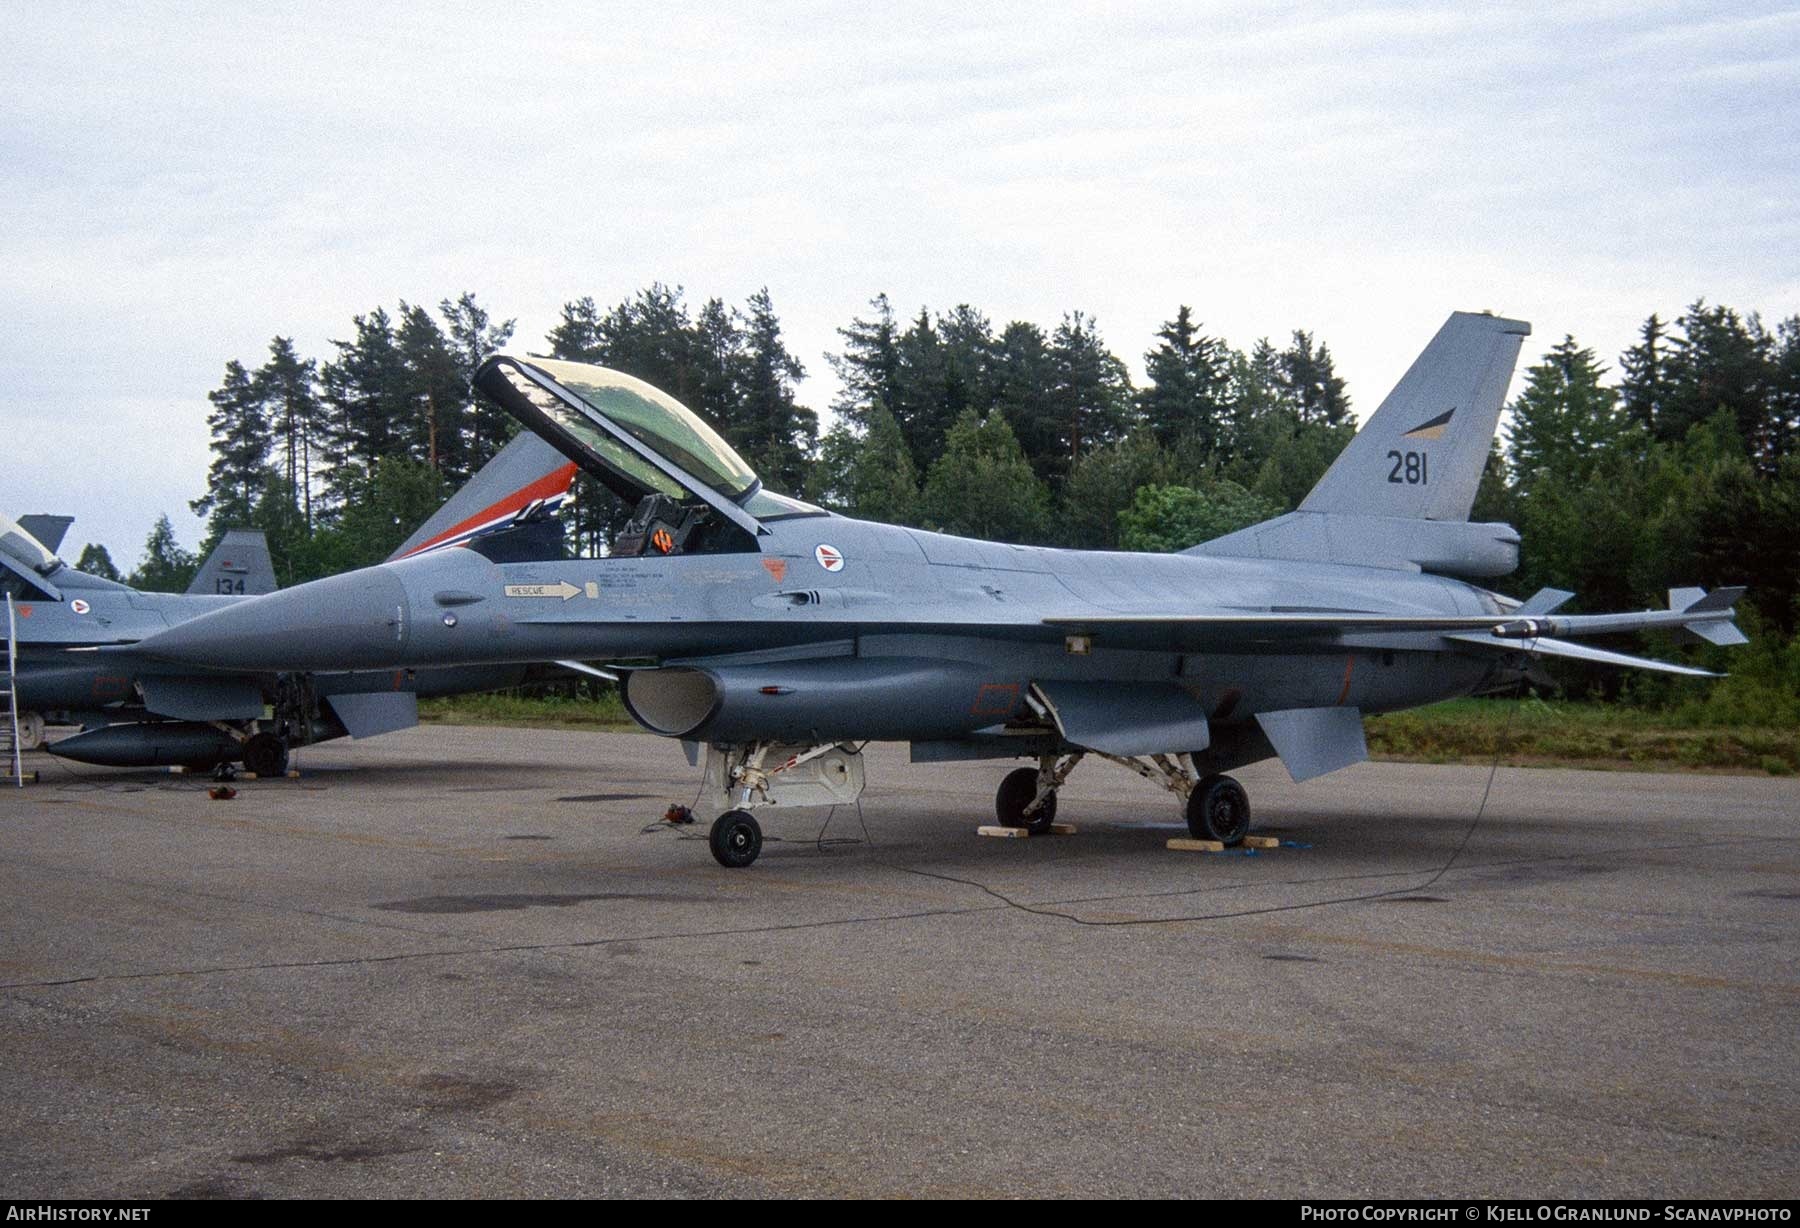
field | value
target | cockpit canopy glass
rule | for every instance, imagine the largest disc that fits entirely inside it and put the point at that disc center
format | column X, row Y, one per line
column 635, row 438
column 658, row 420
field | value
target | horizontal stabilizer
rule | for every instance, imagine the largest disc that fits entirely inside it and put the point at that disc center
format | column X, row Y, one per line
column 1314, row 741
column 374, row 712
column 1127, row 718
column 1585, row 652
column 1544, row 601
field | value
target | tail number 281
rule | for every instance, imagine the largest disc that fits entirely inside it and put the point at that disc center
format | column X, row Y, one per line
column 1410, row 468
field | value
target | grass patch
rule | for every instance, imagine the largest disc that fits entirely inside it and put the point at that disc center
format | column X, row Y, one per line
column 1536, row 732
column 1529, row 732
column 522, row 712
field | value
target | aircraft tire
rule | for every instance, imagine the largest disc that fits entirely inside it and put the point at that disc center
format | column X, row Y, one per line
column 1219, row 809
column 736, row 839
column 31, row 731
column 1015, row 793
column 266, row 755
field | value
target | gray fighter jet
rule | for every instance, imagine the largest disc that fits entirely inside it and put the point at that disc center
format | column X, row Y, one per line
column 138, row 713
column 780, row 637
column 54, row 606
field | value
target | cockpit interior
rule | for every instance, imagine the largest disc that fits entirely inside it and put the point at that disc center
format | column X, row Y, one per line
column 691, row 493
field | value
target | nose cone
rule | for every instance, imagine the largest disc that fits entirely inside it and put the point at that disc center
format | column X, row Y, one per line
column 355, row 621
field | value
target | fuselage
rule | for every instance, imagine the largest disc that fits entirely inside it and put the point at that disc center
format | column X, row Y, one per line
column 829, row 586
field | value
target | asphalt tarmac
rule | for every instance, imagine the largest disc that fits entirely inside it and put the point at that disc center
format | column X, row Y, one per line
column 454, row 962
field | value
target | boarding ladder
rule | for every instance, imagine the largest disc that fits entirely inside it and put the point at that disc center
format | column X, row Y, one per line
column 15, row 765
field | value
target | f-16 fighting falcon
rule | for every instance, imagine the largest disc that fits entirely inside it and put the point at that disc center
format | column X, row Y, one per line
column 779, row 637
column 143, row 713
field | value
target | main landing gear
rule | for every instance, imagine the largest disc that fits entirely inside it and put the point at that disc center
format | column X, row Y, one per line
column 1216, row 807
column 1027, row 797
column 266, row 755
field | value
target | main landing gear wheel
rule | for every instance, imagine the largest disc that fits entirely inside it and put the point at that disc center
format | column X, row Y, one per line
column 736, row 839
column 1015, row 793
column 31, row 730
column 266, row 755
column 1219, row 809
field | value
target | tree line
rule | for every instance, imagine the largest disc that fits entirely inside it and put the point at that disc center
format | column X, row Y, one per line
column 1683, row 469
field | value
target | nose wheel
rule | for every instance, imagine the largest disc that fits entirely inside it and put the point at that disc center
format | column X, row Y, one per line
column 1219, row 809
column 736, row 839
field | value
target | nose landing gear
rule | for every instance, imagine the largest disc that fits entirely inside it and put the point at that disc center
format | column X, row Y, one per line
column 736, row 839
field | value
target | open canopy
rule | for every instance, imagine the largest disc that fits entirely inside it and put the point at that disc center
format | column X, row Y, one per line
column 635, row 438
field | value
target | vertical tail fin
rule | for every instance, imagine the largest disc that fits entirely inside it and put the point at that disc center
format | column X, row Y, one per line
column 526, row 480
column 46, row 528
column 238, row 566
column 1420, row 455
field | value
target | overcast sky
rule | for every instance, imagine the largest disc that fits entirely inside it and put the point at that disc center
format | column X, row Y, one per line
column 178, row 184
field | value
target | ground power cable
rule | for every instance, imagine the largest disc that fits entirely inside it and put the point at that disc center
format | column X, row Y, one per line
column 1037, row 910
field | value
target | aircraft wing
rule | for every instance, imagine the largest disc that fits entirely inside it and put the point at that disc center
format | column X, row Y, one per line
column 1583, row 652
column 1706, row 615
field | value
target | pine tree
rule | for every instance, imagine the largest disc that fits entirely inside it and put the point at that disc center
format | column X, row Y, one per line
column 969, row 361
column 1103, row 484
column 869, row 366
column 166, row 567
column 776, row 435
column 1092, row 393
column 577, row 337
column 650, row 336
column 240, row 445
column 1564, row 420
column 1784, row 392
column 718, row 358
column 1720, row 362
column 1171, row 518
column 918, row 404
column 438, row 393
column 1311, row 383
column 1187, row 392
column 982, row 486
column 473, row 339
column 884, row 481
column 289, row 389
column 1024, row 390
column 1644, row 386
column 370, row 413
column 95, row 561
